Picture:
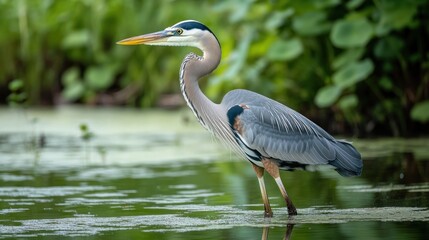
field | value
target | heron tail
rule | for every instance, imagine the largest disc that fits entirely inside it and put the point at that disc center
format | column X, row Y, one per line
column 348, row 161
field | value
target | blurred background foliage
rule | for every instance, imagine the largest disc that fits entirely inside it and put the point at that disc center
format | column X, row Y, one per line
column 363, row 65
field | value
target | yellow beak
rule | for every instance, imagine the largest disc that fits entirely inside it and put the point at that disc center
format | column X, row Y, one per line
column 151, row 38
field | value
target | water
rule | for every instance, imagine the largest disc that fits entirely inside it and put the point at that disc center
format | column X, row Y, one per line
column 157, row 174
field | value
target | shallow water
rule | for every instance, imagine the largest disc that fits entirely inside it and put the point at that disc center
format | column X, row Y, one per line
column 157, row 174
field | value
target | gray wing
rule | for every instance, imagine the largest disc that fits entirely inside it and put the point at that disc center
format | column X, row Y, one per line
column 276, row 131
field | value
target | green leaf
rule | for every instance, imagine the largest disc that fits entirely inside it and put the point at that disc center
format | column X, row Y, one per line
column 396, row 14
column 17, row 98
column 348, row 33
column 420, row 111
column 285, row 50
column 311, row 23
column 99, row 78
column 74, row 91
column 348, row 102
column 353, row 73
column 327, row 95
column 75, row 39
column 70, row 76
column 278, row 18
column 16, row 85
column 324, row 3
column 303, row 6
column 352, row 4
column 350, row 55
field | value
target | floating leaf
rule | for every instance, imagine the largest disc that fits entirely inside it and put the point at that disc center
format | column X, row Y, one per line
column 353, row 72
column 420, row 111
column 285, row 50
column 327, row 95
column 348, row 33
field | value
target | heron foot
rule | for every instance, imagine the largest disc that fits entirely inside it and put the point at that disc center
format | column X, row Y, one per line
column 268, row 214
column 291, row 210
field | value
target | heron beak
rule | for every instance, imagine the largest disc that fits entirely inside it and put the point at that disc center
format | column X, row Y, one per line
column 151, row 38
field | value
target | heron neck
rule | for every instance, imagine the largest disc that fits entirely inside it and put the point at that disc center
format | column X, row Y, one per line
column 193, row 68
column 211, row 115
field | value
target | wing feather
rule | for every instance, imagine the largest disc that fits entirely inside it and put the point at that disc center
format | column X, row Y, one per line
column 278, row 132
column 297, row 142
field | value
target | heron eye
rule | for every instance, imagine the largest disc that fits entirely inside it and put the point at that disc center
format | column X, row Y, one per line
column 179, row 31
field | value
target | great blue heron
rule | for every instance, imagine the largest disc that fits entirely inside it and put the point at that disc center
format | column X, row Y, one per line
column 265, row 132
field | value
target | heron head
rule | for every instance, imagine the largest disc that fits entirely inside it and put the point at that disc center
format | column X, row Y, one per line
column 185, row 33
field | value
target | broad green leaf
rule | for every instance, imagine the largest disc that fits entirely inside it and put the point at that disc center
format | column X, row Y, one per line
column 327, row 95
column 70, row 76
column 352, row 4
column 348, row 33
column 74, row 91
column 324, row 3
column 420, row 111
column 311, row 23
column 17, row 98
column 353, row 73
column 348, row 102
column 350, row 55
column 397, row 13
column 285, row 50
column 278, row 18
column 99, row 78
column 76, row 39
column 16, row 85
column 308, row 5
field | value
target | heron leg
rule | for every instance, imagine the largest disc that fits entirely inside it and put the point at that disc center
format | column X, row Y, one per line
column 272, row 168
column 260, row 174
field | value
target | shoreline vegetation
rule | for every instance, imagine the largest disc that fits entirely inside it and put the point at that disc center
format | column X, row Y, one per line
column 358, row 68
